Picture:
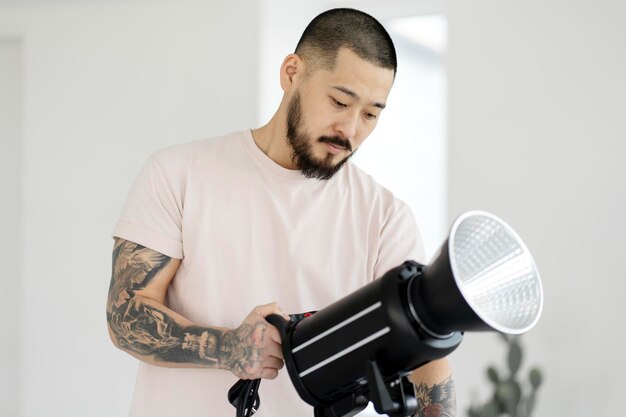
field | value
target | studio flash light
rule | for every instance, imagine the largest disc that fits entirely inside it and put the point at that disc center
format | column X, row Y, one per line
column 363, row 347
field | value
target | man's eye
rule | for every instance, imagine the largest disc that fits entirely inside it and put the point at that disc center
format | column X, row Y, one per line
column 338, row 103
column 370, row 116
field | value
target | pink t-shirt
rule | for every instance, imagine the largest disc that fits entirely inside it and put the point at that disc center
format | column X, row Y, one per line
column 250, row 232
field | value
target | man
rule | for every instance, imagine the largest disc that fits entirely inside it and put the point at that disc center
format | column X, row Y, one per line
column 213, row 228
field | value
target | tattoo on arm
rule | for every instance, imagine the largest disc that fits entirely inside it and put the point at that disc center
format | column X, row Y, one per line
column 150, row 329
column 436, row 401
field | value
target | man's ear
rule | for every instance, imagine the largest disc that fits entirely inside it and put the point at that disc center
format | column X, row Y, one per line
column 291, row 69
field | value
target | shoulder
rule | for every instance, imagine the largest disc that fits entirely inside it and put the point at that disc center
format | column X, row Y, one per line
column 198, row 148
column 205, row 154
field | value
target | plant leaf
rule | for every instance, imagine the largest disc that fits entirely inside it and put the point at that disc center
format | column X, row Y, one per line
column 535, row 377
column 491, row 409
column 515, row 358
column 492, row 374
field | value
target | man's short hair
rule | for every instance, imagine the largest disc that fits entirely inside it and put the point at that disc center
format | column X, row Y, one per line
column 346, row 28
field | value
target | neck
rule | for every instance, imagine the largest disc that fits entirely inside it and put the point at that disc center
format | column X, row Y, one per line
column 272, row 141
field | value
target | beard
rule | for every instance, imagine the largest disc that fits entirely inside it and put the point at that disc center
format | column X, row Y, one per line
column 302, row 144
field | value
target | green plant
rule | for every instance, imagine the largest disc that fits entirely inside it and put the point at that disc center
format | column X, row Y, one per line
column 509, row 398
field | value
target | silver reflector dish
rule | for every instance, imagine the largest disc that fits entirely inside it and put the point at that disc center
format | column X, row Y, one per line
column 495, row 272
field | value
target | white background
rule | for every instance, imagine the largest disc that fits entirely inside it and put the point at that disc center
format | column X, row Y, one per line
column 536, row 134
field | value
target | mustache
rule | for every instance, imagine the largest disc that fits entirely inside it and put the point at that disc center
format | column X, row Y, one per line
column 337, row 141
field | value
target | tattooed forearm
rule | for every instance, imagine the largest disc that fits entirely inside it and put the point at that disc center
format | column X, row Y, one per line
column 145, row 329
column 152, row 332
column 436, row 401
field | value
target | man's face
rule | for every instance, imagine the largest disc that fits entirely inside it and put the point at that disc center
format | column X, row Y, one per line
column 332, row 112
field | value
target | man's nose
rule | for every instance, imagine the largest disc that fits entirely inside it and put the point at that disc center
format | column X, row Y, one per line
column 347, row 125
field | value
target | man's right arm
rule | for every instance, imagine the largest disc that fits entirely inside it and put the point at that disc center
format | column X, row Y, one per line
column 140, row 323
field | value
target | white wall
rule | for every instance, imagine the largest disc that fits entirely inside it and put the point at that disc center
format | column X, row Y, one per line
column 10, row 222
column 105, row 84
column 537, row 135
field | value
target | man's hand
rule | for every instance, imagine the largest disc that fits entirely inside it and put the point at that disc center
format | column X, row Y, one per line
column 253, row 350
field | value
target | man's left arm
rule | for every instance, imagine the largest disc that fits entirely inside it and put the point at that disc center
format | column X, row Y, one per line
column 434, row 389
column 400, row 241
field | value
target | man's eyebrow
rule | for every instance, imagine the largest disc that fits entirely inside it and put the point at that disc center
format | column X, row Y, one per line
column 356, row 96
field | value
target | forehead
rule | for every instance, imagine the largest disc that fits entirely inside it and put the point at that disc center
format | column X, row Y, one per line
column 370, row 82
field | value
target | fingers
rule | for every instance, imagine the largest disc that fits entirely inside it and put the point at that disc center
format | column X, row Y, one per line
column 269, row 373
column 274, row 349
column 271, row 308
column 264, row 311
column 266, row 368
column 271, row 366
column 261, row 343
column 265, row 334
column 274, row 334
column 269, row 346
column 274, row 363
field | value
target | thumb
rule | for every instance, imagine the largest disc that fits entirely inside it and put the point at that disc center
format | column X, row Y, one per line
column 271, row 308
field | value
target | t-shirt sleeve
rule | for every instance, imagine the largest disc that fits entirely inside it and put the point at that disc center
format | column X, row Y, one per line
column 152, row 214
column 400, row 240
